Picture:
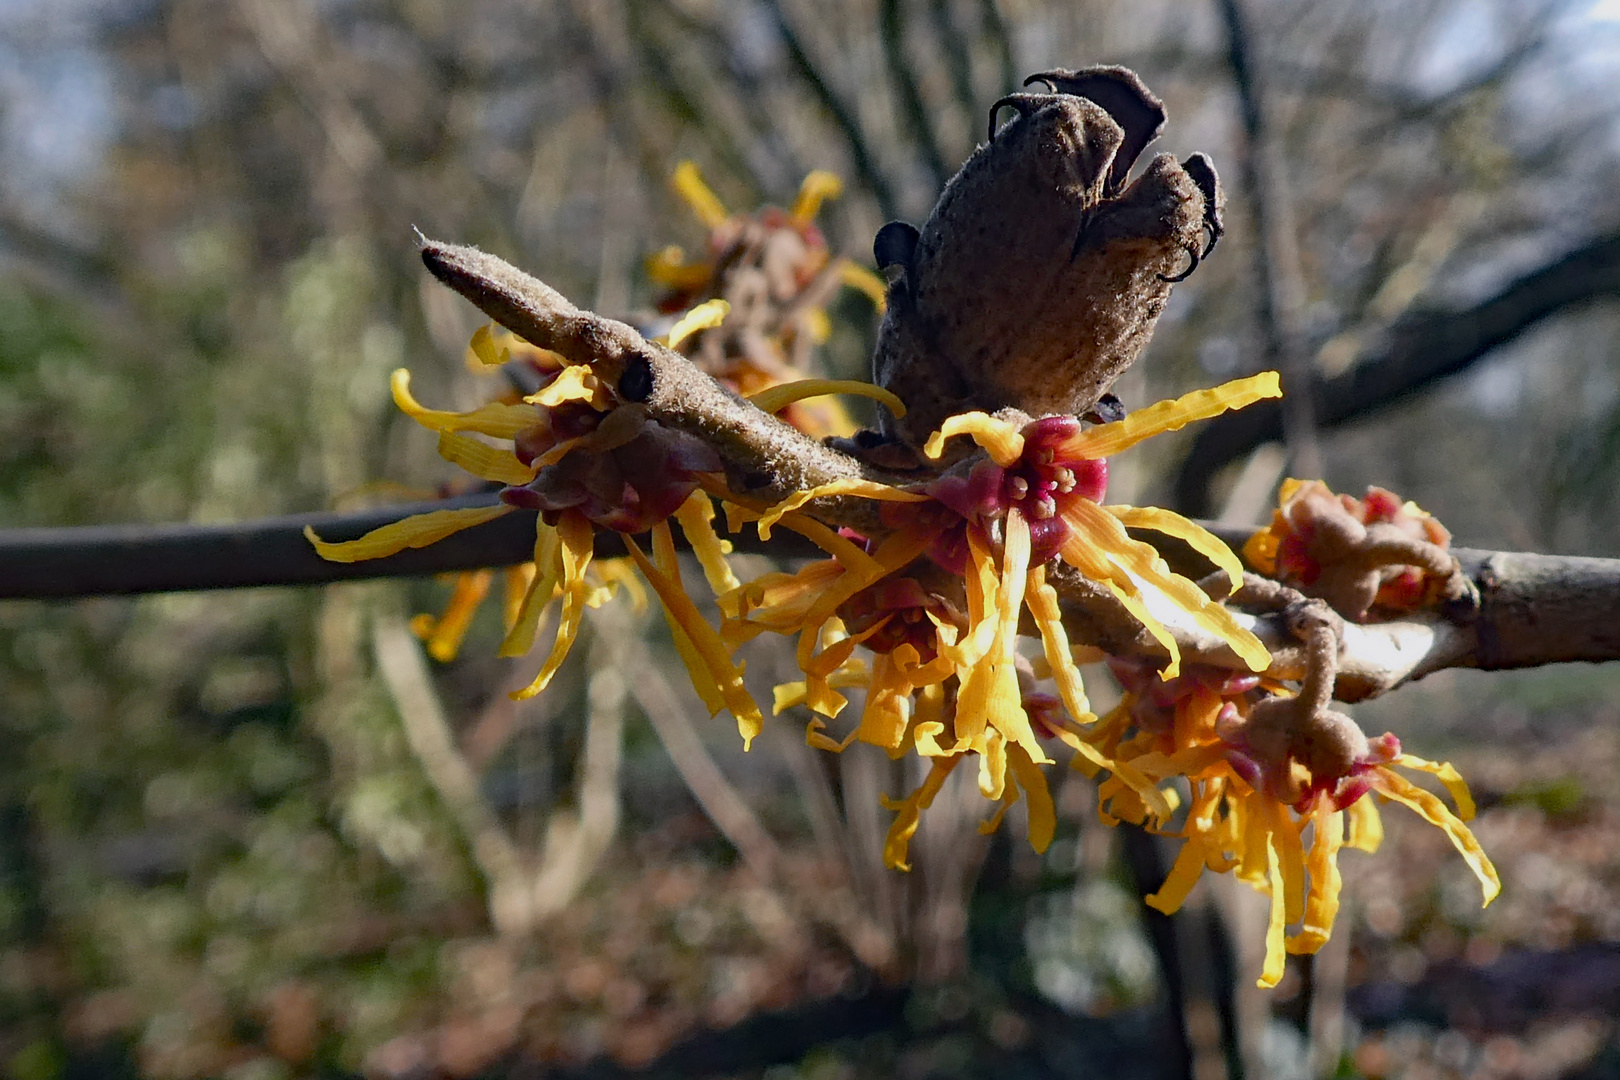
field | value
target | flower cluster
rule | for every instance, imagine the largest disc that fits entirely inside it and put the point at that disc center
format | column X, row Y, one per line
column 747, row 313
column 774, row 272
column 1262, row 774
column 1358, row 554
column 939, row 600
column 926, row 609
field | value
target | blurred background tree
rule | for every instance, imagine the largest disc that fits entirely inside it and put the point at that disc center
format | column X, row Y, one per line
column 229, row 842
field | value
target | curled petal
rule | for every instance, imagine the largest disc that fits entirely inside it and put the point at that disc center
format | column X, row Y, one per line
column 776, row 398
column 1447, row 775
column 866, row 489
column 1196, row 536
column 859, row 277
column 575, row 540
column 573, row 383
column 443, row 636
column 709, row 649
column 1184, row 874
column 1431, row 809
column 484, row 349
column 1107, row 440
column 1276, row 946
column 706, row 316
column 1042, row 813
column 817, row 187
column 498, row 420
column 696, row 518
column 543, row 586
column 908, row 813
column 418, row 530
column 1001, row 440
column 1322, row 904
column 688, row 184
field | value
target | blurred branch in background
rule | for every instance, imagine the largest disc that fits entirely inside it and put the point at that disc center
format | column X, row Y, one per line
column 1420, row 349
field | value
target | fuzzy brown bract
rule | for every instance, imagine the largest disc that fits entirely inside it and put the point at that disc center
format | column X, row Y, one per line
column 1040, row 274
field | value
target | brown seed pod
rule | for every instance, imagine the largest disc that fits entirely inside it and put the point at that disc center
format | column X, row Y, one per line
column 1039, row 275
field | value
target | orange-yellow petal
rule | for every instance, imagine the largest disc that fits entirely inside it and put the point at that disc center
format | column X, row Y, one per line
column 817, row 187
column 896, row 847
column 688, row 184
column 1431, row 809
column 497, row 419
column 1109, row 439
column 696, row 518
column 494, row 463
column 866, row 489
column 575, row 538
column 1195, row 535
column 443, row 636
column 711, row 651
column 1042, row 813
column 1184, row 874
column 418, row 530
column 776, row 398
column 859, row 277
column 706, row 316
column 1001, row 440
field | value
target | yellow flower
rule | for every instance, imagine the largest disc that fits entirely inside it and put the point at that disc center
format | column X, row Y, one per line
column 563, row 452
column 776, row 266
column 1236, row 818
column 994, row 525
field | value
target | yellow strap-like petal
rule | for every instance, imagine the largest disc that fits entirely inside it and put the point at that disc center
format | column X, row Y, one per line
column 1042, row 813
column 573, row 383
column 485, row 350
column 1366, row 826
column 688, row 184
column 706, row 316
column 1431, row 809
column 443, row 636
column 543, row 587
column 908, row 815
column 710, row 649
column 1184, row 874
column 1042, row 601
column 859, row 277
column 865, row 489
column 575, row 538
column 1109, row 439
column 1196, row 536
column 1447, row 775
column 816, row 187
column 774, row 399
column 1322, row 903
column 696, row 518
column 497, row 419
column 1276, row 945
column 668, row 266
column 1001, row 440
column 418, row 530
column 486, row 462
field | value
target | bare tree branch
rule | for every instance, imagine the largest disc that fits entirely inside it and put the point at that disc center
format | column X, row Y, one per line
column 1280, row 297
column 1422, row 349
